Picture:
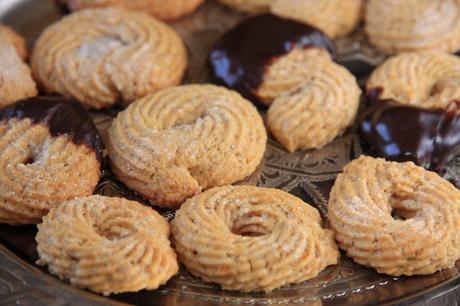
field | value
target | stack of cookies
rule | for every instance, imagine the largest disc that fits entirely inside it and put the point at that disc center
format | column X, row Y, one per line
column 186, row 147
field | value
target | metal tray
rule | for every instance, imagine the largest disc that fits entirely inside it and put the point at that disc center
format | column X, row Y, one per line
column 309, row 175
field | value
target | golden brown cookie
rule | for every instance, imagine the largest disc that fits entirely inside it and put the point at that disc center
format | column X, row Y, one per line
column 14, row 39
column 108, row 245
column 425, row 79
column 252, row 239
column 250, row 6
column 50, row 152
column 102, row 56
column 173, row 144
column 319, row 108
column 396, row 26
column 334, row 17
column 289, row 71
column 397, row 218
column 163, row 9
column 15, row 77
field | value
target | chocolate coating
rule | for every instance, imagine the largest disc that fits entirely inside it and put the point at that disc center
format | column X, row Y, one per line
column 62, row 116
column 428, row 137
column 241, row 56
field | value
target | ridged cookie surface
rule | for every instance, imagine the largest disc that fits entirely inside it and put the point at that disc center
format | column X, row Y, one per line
column 171, row 145
column 14, row 39
column 41, row 163
column 396, row 26
column 426, row 79
column 15, row 76
column 60, row 170
column 163, row 9
column 252, row 239
column 334, row 17
column 108, row 245
column 108, row 55
column 397, row 218
column 250, row 6
column 319, row 108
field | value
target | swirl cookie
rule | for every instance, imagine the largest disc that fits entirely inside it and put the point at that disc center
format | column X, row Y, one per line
column 102, row 56
column 252, row 239
column 250, row 6
column 15, row 77
column 265, row 43
column 397, row 218
column 14, row 39
column 171, row 145
column 50, row 152
column 334, row 17
column 319, row 109
column 170, row 9
column 427, row 79
column 412, row 112
column 108, row 245
column 288, row 66
column 396, row 26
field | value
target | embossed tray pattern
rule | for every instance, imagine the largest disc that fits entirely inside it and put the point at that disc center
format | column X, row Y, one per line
column 309, row 175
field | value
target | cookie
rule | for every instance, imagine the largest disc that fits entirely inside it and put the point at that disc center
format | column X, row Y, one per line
column 397, row 218
column 173, row 144
column 396, row 26
column 317, row 110
column 263, row 47
column 14, row 39
column 50, row 152
column 251, row 239
column 334, row 17
column 15, row 77
column 428, row 79
column 108, row 55
column 108, row 245
column 429, row 137
column 170, row 9
column 249, row 6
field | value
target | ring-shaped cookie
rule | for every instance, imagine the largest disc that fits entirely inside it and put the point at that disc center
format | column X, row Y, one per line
column 396, row 26
column 251, row 239
column 103, row 56
column 162, row 9
column 108, row 245
column 50, row 152
column 172, row 145
column 428, row 79
column 397, row 218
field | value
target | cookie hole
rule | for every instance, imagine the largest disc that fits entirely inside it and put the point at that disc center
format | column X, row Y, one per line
column 114, row 231
column 402, row 214
column 399, row 201
column 29, row 160
column 435, row 90
column 252, row 224
column 251, row 230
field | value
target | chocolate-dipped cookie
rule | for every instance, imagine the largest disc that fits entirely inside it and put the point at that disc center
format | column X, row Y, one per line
column 289, row 67
column 50, row 152
column 412, row 111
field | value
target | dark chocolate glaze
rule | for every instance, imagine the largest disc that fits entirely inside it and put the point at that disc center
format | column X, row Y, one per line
column 240, row 57
column 428, row 137
column 62, row 116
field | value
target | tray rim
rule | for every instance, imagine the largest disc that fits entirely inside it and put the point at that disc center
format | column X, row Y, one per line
column 67, row 290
